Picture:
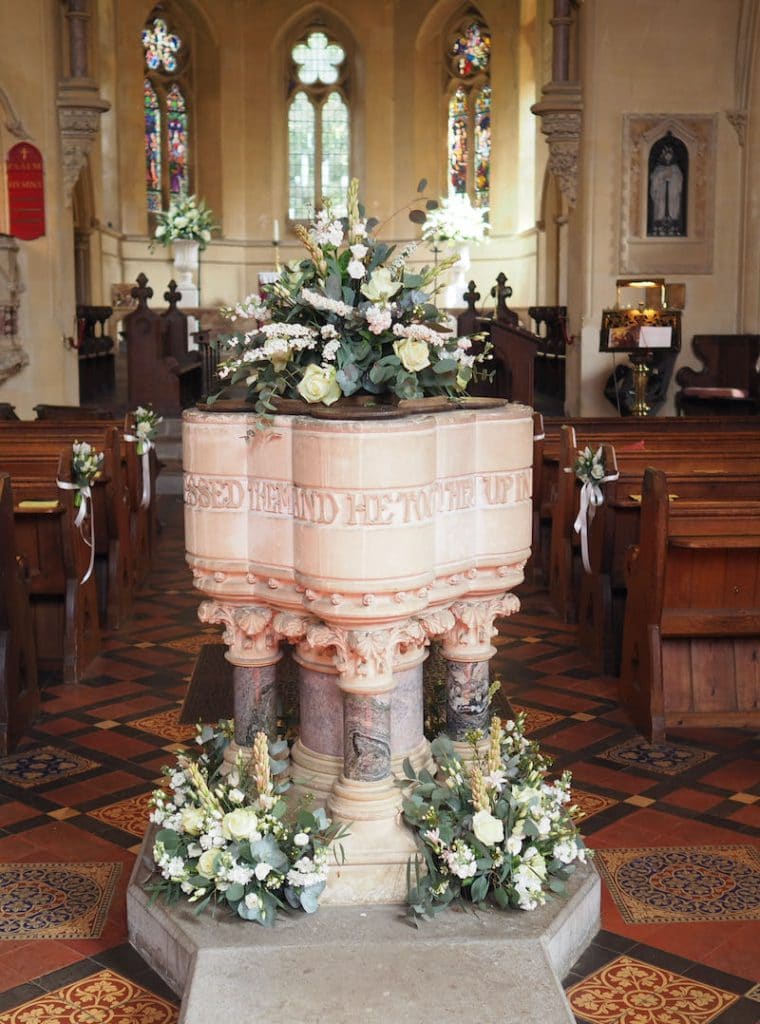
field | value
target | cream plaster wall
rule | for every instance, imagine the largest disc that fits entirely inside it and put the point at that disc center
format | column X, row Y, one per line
column 646, row 56
column 29, row 71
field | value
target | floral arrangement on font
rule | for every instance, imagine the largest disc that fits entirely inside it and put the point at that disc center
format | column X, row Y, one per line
column 351, row 318
column 86, row 466
column 494, row 831
column 187, row 217
column 455, row 220
column 227, row 837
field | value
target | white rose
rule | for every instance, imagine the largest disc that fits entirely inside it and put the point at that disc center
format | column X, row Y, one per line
column 192, row 820
column 262, row 870
column 239, row 824
column 489, row 830
column 318, row 384
column 413, row 353
column 207, row 863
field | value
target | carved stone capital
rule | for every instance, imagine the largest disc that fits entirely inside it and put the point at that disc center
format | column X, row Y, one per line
column 365, row 658
column 470, row 637
column 561, row 113
column 738, row 121
column 79, row 111
column 249, row 631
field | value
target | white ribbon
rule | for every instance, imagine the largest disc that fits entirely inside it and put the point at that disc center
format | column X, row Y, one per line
column 591, row 498
column 145, row 463
column 86, row 495
column 539, row 437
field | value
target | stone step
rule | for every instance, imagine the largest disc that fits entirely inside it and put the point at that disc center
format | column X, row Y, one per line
column 366, row 962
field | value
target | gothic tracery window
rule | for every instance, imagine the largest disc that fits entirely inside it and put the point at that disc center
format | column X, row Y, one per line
column 166, row 113
column 319, row 129
column 469, row 110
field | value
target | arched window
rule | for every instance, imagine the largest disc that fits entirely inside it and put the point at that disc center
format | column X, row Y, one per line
column 469, row 110
column 167, row 174
column 319, row 129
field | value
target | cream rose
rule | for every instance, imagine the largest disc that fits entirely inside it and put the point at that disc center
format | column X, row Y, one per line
column 413, row 353
column 489, row 830
column 207, row 863
column 240, row 824
column 318, row 384
column 192, row 820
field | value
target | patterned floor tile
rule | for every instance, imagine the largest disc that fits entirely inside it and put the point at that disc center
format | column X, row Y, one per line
column 629, row 991
column 663, row 758
column 589, row 804
column 704, row 883
column 754, row 993
column 102, row 997
column 535, row 718
column 130, row 815
column 165, row 724
column 43, row 764
column 192, row 644
column 55, row 901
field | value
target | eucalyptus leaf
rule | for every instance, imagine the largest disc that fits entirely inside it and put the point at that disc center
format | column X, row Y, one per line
column 417, row 216
column 310, row 897
column 479, row 888
column 422, row 184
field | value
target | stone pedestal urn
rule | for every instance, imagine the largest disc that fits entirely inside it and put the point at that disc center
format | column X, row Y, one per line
column 357, row 542
column 186, row 262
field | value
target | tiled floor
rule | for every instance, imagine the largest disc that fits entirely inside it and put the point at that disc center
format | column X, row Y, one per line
column 677, row 827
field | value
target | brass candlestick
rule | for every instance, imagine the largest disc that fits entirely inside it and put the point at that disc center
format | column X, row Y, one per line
column 640, row 380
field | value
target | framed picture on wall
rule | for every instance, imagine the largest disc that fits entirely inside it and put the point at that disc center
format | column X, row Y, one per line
column 667, row 193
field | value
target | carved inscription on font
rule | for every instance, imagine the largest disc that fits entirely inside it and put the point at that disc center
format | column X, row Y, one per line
column 357, row 508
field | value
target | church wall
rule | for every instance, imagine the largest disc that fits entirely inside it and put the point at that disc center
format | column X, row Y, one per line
column 398, row 123
column 29, row 70
column 643, row 56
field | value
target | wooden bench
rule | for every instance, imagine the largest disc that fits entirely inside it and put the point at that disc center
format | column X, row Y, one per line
column 155, row 375
column 19, row 691
column 514, row 348
column 114, row 558
column 691, row 641
column 55, row 558
column 728, row 383
column 686, row 431
column 709, row 469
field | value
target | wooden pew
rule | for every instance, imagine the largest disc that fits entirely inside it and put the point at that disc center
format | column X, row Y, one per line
column 597, row 597
column 728, row 383
column 55, row 558
column 19, row 691
column 144, row 520
column 691, row 642
column 111, row 502
column 642, row 433
column 154, row 375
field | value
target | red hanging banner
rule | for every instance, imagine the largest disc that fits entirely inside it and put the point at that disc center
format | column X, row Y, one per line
column 26, row 192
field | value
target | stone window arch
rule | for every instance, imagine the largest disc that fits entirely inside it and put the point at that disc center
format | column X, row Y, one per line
column 167, row 110
column 319, row 122
column 468, row 107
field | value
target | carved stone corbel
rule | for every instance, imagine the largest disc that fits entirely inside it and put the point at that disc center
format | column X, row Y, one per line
column 738, row 121
column 561, row 113
column 79, row 109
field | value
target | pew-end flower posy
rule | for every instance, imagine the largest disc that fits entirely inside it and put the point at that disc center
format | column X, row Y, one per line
column 187, row 218
column 495, row 830
column 146, row 422
column 86, row 466
column 353, row 317
column 455, row 221
column 589, row 465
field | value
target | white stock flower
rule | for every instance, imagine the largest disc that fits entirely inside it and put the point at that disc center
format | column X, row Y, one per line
column 356, row 270
column 301, row 839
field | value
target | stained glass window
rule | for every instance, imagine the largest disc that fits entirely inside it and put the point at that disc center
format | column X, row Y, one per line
column 458, row 142
column 176, row 116
column 319, row 126
column 469, row 111
column 167, row 114
column 482, row 145
column 471, row 50
column 152, row 147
